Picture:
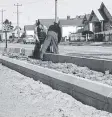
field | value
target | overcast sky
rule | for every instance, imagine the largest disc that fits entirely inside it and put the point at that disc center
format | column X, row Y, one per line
column 34, row 9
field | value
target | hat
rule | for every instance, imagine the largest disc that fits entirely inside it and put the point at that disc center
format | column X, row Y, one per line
column 37, row 22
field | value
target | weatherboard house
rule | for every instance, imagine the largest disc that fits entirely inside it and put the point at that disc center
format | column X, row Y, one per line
column 100, row 20
column 107, row 22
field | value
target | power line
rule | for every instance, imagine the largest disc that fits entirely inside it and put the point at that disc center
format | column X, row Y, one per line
column 24, row 3
column 17, row 5
column 31, row 2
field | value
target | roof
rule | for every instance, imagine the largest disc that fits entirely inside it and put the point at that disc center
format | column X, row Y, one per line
column 87, row 16
column 105, row 12
column 71, row 22
column 98, row 15
column 93, row 17
column 63, row 22
column 29, row 27
column 80, row 16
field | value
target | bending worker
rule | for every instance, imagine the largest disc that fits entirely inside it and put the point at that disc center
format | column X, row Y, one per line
column 53, row 39
column 40, row 35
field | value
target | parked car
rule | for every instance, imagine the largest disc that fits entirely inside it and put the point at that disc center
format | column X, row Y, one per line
column 29, row 39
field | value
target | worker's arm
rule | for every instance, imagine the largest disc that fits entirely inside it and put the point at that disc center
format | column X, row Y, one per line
column 35, row 34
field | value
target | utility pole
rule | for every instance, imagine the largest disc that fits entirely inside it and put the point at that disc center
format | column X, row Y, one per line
column 55, row 10
column 2, row 11
column 17, row 5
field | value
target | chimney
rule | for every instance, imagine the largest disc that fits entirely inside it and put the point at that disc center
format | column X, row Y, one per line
column 68, row 17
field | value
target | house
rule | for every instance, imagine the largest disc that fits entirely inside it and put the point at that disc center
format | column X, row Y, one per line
column 70, row 26
column 100, row 20
column 107, row 23
column 29, row 29
column 85, row 22
column 95, row 21
column 82, row 27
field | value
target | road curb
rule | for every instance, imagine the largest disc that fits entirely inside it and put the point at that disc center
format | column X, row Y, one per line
column 90, row 93
column 100, row 65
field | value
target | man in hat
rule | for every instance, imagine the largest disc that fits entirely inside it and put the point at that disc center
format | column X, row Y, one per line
column 41, row 32
column 53, row 38
column 40, row 35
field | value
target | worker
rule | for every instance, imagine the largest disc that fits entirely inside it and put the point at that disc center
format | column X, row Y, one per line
column 40, row 35
column 53, row 38
column 41, row 32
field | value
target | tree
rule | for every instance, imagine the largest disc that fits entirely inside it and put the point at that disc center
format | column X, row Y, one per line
column 7, row 26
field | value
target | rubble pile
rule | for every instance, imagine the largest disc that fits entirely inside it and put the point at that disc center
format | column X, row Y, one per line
column 70, row 68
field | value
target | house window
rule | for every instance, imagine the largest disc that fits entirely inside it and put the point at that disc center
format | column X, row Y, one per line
column 91, row 26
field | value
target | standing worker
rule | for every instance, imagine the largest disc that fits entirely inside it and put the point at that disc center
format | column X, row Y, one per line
column 53, row 39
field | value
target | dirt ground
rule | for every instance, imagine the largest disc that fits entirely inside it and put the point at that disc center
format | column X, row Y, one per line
column 21, row 96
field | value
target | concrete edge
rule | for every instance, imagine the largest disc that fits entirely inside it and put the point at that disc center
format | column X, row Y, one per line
column 100, row 65
column 94, row 94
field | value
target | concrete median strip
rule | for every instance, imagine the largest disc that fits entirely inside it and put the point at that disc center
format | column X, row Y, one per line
column 89, row 92
column 100, row 65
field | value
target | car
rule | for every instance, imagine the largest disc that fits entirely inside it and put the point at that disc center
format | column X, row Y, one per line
column 29, row 39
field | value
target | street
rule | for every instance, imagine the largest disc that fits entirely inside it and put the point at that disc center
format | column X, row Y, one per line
column 88, row 51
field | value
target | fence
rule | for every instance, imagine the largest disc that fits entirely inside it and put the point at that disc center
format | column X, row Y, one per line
column 81, row 38
column 91, row 37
